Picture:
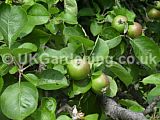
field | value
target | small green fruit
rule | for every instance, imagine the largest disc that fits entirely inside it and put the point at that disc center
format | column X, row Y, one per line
column 78, row 69
column 157, row 4
column 154, row 13
column 119, row 23
column 135, row 30
column 100, row 84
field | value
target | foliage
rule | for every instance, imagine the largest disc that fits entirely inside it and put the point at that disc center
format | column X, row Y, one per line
column 39, row 37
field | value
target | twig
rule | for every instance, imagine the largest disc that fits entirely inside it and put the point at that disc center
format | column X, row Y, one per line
column 72, row 111
column 67, row 108
column 151, row 106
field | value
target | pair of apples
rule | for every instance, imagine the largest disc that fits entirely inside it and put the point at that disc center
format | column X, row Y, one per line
column 120, row 24
column 154, row 13
column 79, row 69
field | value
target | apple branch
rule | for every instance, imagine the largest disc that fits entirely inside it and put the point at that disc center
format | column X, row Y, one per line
column 151, row 106
column 116, row 112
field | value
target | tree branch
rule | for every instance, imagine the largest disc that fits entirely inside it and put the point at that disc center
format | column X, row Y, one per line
column 72, row 111
column 151, row 106
column 67, row 108
column 116, row 112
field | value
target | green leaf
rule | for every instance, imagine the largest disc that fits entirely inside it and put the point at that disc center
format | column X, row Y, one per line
column 71, row 10
column 100, row 51
column 80, row 87
column 53, row 9
column 91, row 117
column 153, row 93
column 63, row 117
column 109, row 33
column 1, row 36
column 42, row 114
column 4, row 50
column 60, row 68
column 73, row 31
column 1, row 83
column 112, row 43
column 52, row 26
column 12, row 20
column 46, row 110
column 70, row 19
column 49, row 104
column 31, row 78
column 121, row 72
column 71, row 7
column 37, row 37
column 4, row 69
column 146, row 50
column 28, row 27
column 25, row 48
column 49, row 1
column 125, row 12
column 27, row 3
column 41, row 1
column 22, row 98
column 152, row 79
column 52, row 80
column 87, row 43
column 52, row 1
column 95, row 28
column 136, row 108
column 13, row 70
column 51, row 56
column 88, row 103
column 39, row 14
column 70, row 50
column 57, row 56
column 113, row 88
column 29, row 46
column 132, row 105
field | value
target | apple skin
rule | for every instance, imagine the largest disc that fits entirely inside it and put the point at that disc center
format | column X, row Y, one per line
column 100, row 83
column 154, row 13
column 78, row 69
column 119, row 23
column 157, row 4
column 135, row 30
